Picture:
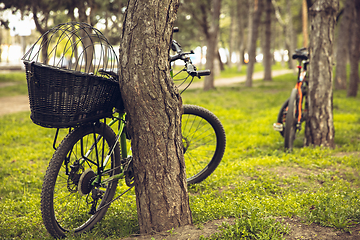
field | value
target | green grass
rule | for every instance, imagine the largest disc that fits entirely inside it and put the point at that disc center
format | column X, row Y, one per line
column 256, row 183
column 18, row 84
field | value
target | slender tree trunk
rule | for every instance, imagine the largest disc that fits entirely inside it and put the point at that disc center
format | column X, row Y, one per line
column 305, row 24
column 211, row 52
column 231, row 33
column 290, row 35
column 268, row 57
column 342, row 51
column 258, row 5
column 319, row 123
column 42, row 30
column 154, row 109
column 241, row 32
column 354, row 50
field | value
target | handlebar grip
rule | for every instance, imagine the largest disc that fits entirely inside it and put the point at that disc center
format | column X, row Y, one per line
column 203, row 73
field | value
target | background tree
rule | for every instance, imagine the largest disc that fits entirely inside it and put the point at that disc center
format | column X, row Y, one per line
column 319, row 123
column 206, row 18
column 212, row 43
column 154, row 109
column 343, row 44
column 284, row 11
column 241, row 16
column 255, row 22
column 354, row 50
column 305, row 23
column 268, row 56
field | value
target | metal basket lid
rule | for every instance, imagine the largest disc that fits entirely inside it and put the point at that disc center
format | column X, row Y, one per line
column 76, row 47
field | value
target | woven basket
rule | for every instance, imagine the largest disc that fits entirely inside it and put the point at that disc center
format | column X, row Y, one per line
column 60, row 98
column 65, row 82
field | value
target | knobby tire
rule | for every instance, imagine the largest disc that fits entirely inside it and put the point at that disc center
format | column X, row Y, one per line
column 204, row 142
column 64, row 207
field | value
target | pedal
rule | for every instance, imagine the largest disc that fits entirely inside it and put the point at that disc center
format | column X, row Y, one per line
column 278, row 127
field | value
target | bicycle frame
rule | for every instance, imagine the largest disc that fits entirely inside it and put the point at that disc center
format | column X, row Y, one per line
column 300, row 81
column 120, row 138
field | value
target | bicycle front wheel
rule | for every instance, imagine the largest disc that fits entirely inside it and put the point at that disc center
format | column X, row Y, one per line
column 291, row 121
column 282, row 116
column 204, row 142
column 70, row 201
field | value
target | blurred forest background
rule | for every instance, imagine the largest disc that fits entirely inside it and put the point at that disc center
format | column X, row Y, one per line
column 241, row 31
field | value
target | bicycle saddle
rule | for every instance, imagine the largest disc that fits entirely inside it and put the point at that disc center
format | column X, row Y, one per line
column 301, row 54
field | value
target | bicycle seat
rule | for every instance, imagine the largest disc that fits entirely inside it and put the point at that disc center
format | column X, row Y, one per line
column 301, row 54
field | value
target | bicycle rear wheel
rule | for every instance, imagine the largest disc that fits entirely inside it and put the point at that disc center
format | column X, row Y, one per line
column 69, row 200
column 204, row 142
column 291, row 121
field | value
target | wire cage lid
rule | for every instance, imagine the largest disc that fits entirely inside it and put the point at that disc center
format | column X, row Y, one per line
column 74, row 46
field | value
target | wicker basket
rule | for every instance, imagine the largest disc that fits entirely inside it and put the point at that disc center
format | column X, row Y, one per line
column 60, row 98
column 65, row 96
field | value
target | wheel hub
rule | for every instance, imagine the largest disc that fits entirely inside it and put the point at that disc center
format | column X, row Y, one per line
column 87, row 177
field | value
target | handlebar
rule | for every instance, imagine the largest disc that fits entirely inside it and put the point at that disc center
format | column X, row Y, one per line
column 182, row 56
column 190, row 68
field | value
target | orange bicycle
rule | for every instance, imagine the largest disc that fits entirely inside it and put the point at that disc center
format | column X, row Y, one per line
column 294, row 110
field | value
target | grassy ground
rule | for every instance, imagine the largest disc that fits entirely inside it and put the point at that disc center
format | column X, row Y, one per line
column 255, row 183
column 17, row 84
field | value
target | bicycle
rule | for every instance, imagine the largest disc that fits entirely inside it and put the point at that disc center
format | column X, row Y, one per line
column 294, row 110
column 93, row 161
column 197, row 116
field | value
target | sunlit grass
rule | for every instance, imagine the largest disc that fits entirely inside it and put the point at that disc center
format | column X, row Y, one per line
column 16, row 84
column 256, row 182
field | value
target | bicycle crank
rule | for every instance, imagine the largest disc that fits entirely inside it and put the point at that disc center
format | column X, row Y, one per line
column 129, row 172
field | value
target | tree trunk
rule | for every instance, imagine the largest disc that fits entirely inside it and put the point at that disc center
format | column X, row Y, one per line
column 319, row 123
column 305, row 23
column 290, row 35
column 42, row 30
column 268, row 57
column 354, row 50
column 241, row 33
column 258, row 4
column 343, row 45
column 212, row 40
column 154, row 110
column 231, row 34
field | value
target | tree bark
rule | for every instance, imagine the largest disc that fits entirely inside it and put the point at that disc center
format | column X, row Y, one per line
column 154, row 110
column 42, row 29
column 212, row 41
column 305, row 23
column 268, row 57
column 241, row 32
column 231, row 33
column 319, row 129
column 342, row 51
column 290, row 35
column 354, row 50
column 258, row 5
